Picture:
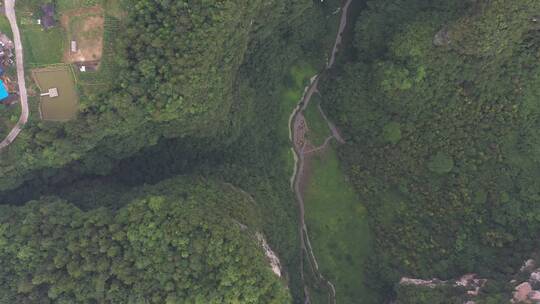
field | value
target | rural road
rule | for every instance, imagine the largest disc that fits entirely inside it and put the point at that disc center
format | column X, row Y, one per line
column 297, row 128
column 10, row 13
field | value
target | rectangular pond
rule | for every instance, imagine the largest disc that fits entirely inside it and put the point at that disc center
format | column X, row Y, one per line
column 64, row 106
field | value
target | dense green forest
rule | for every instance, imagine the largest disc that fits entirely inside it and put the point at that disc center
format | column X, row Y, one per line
column 181, row 241
column 198, row 97
column 439, row 103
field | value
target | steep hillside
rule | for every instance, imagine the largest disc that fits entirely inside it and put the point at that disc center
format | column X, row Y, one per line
column 201, row 97
column 180, row 241
column 177, row 75
column 440, row 106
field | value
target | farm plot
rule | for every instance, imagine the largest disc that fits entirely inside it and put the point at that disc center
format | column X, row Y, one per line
column 85, row 29
column 64, row 5
column 57, row 81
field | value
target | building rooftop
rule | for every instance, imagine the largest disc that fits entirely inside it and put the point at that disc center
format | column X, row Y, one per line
column 47, row 20
column 3, row 91
column 48, row 9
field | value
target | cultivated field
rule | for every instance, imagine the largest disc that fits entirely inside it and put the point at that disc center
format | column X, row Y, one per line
column 94, row 25
column 65, row 106
column 86, row 27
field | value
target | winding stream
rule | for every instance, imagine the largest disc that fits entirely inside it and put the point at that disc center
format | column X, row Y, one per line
column 297, row 129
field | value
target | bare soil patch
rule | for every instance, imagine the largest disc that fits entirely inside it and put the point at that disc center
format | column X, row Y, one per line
column 85, row 26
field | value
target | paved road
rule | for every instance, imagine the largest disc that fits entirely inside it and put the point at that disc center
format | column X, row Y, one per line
column 10, row 13
column 297, row 128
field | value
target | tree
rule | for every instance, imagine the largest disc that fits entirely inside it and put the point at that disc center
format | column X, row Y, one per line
column 159, row 248
column 441, row 163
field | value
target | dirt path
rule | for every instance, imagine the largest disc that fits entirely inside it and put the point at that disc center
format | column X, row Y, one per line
column 10, row 13
column 321, row 147
column 298, row 127
column 331, row 126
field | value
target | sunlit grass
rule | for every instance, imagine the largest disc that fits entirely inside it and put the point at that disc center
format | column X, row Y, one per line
column 338, row 229
column 318, row 128
column 292, row 92
column 42, row 47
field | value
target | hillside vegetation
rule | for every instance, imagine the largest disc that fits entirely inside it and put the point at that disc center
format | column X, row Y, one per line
column 199, row 89
column 177, row 242
column 178, row 73
column 439, row 101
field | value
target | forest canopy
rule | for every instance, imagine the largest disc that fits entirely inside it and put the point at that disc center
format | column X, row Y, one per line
column 176, row 242
column 439, row 100
column 197, row 89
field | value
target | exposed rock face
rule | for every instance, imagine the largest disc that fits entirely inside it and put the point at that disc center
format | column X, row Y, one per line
column 468, row 281
column 534, row 296
column 270, row 255
column 522, row 292
column 535, row 276
column 419, row 282
column 528, row 265
column 442, row 38
column 526, row 292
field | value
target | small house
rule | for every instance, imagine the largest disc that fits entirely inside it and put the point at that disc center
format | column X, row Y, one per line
column 47, row 20
column 3, row 91
column 4, row 94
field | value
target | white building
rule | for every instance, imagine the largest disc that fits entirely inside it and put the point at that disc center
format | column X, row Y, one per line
column 53, row 92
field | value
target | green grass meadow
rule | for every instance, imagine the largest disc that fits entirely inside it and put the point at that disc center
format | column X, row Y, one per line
column 5, row 27
column 64, row 5
column 339, row 232
column 335, row 217
column 298, row 79
column 42, row 47
column 9, row 115
column 318, row 128
column 114, row 8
